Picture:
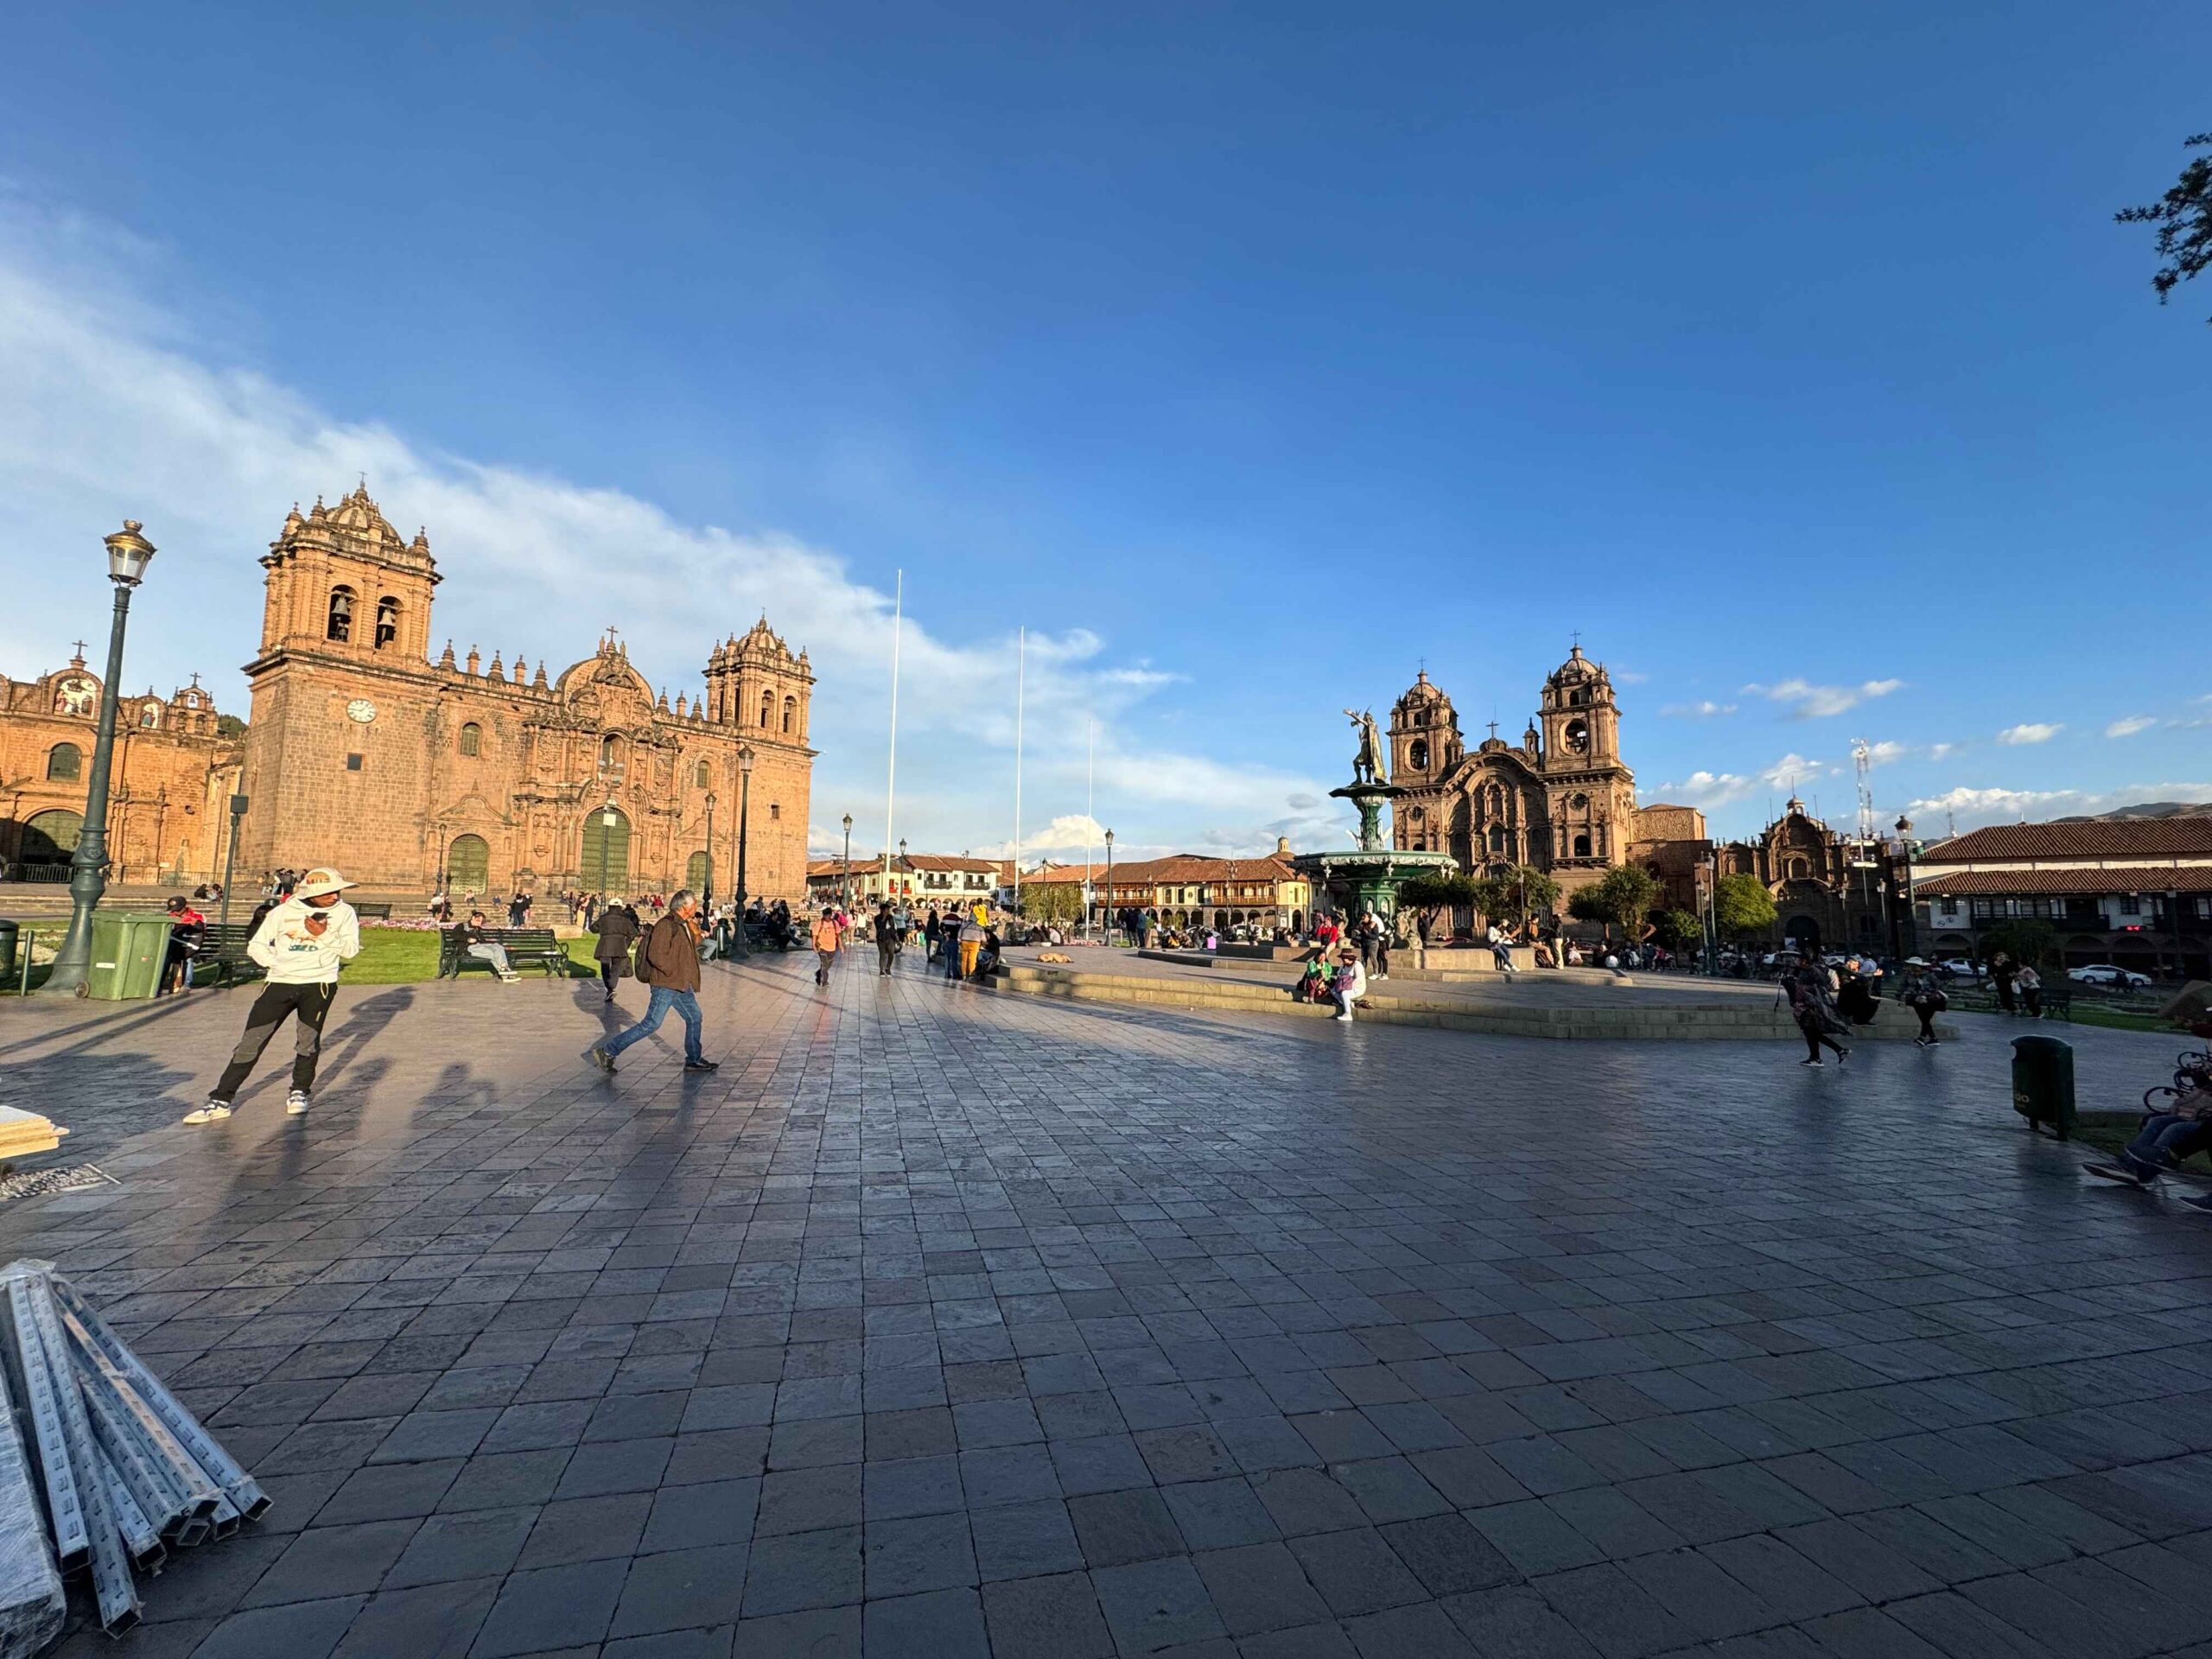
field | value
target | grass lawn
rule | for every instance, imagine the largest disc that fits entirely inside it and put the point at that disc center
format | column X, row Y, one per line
column 395, row 956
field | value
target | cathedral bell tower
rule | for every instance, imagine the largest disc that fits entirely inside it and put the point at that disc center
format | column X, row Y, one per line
column 1424, row 734
column 1581, row 726
column 341, row 582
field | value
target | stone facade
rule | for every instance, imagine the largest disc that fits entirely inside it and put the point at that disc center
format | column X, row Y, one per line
column 1827, row 888
column 1561, row 800
column 173, row 768
column 410, row 773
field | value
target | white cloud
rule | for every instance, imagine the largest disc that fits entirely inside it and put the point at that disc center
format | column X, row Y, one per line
column 1809, row 701
column 112, row 409
column 1706, row 709
column 1972, row 806
column 1708, row 789
column 1882, row 755
column 1938, row 751
column 2032, row 731
column 2131, row 725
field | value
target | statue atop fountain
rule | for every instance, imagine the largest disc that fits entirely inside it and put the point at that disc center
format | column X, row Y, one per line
column 1369, row 878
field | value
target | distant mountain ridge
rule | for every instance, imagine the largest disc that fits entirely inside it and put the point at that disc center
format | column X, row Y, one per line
column 2146, row 810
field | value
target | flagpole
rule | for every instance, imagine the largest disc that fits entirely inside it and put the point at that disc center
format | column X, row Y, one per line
column 1090, row 796
column 890, row 783
column 1020, row 675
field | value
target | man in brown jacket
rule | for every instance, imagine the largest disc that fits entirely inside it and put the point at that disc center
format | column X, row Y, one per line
column 667, row 962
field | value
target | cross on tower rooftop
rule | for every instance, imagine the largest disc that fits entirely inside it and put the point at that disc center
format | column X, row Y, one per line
column 81, row 649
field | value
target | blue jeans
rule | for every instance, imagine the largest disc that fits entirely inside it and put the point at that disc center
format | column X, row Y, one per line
column 686, row 1003
column 2165, row 1140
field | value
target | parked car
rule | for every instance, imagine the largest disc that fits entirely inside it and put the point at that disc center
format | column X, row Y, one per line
column 2110, row 977
column 1957, row 965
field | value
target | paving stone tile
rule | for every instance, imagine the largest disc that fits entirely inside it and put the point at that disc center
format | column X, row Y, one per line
column 804, row 1569
column 1055, row 1616
column 431, row 1621
column 1153, row 1604
column 1260, row 1587
column 587, row 1529
column 1446, row 1555
column 469, row 1544
column 680, row 1590
column 333, row 1560
column 551, row 1608
column 1114, row 1528
column 301, row 1629
column 1356, row 1571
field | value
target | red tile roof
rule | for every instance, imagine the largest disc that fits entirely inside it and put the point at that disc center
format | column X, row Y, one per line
column 2177, row 837
column 2142, row 877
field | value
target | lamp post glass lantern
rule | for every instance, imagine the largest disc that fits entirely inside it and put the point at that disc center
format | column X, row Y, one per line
column 129, row 553
column 707, row 884
column 744, row 815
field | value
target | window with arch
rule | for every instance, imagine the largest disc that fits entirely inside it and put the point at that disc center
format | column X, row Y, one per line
column 339, row 625
column 1497, row 841
column 388, row 622
column 775, row 813
column 1417, row 755
column 149, row 717
column 1582, row 846
column 700, row 775
column 64, row 763
column 791, row 714
column 610, row 753
column 472, row 737
column 767, row 708
column 1800, row 870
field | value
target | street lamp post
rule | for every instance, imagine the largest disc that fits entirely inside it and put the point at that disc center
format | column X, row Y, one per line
column 707, row 887
column 1110, row 886
column 1904, row 939
column 847, row 868
column 906, row 873
column 230, row 857
column 128, row 554
column 744, row 814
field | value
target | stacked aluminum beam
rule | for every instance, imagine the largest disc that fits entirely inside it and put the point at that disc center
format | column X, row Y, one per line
column 124, row 1472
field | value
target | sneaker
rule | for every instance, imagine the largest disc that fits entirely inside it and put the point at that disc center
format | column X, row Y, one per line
column 1343, row 1019
column 702, row 1065
column 2203, row 1201
column 213, row 1112
column 1808, row 1062
column 598, row 1056
column 1842, row 1055
column 295, row 1103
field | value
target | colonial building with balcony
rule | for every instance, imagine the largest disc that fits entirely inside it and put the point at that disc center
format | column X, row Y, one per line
column 2135, row 892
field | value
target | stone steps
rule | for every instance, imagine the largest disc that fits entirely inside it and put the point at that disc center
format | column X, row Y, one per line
column 1671, row 1020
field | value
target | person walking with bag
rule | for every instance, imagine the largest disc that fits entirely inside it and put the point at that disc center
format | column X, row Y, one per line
column 829, row 940
column 889, row 932
column 1816, row 1017
column 667, row 962
column 618, row 928
column 301, row 944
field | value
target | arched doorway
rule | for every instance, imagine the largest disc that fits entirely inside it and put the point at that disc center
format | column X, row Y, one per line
column 694, row 873
column 1802, row 932
column 50, row 837
column 468, row 864
column 607, row 850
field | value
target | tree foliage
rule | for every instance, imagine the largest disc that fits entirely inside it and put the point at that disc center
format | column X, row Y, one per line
column 1678, row 929
column 1052, row 902
column 1431, row 895
column 2023, row 938
column 2183, row 216
column 1623, row 899
column 1515, row 894
column 1742, row 907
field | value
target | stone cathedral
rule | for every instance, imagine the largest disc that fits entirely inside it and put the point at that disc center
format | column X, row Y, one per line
column 1561, row 800
column 409, row 771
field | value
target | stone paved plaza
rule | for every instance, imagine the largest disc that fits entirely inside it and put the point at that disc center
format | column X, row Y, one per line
column 939, row 1323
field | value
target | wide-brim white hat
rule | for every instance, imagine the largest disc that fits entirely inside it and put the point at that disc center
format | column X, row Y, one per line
column 315, row 883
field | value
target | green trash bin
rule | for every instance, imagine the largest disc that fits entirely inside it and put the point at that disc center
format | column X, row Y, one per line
column 128, row 949
column 2043, row 1083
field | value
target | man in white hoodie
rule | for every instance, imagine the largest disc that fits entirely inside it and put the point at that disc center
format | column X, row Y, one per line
column 302, row 944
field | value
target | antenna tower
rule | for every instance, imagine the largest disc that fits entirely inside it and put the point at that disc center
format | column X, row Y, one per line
column 1862, row 758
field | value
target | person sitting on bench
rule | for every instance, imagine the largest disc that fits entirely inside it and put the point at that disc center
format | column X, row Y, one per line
column 475, row 943
column 2168, row 1137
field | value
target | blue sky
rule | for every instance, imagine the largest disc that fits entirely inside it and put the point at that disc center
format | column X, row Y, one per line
column 1250, row 356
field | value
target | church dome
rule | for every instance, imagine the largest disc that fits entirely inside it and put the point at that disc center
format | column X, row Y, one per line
column 1577, row 668
column 1424, row 693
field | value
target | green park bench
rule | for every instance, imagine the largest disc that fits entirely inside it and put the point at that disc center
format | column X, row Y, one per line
column 526, row 946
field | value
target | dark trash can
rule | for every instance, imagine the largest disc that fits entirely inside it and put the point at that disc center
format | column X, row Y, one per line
column 2043, row 1083
column 8, row 931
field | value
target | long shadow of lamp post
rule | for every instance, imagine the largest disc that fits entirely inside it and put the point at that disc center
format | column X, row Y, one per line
column 128, row 554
